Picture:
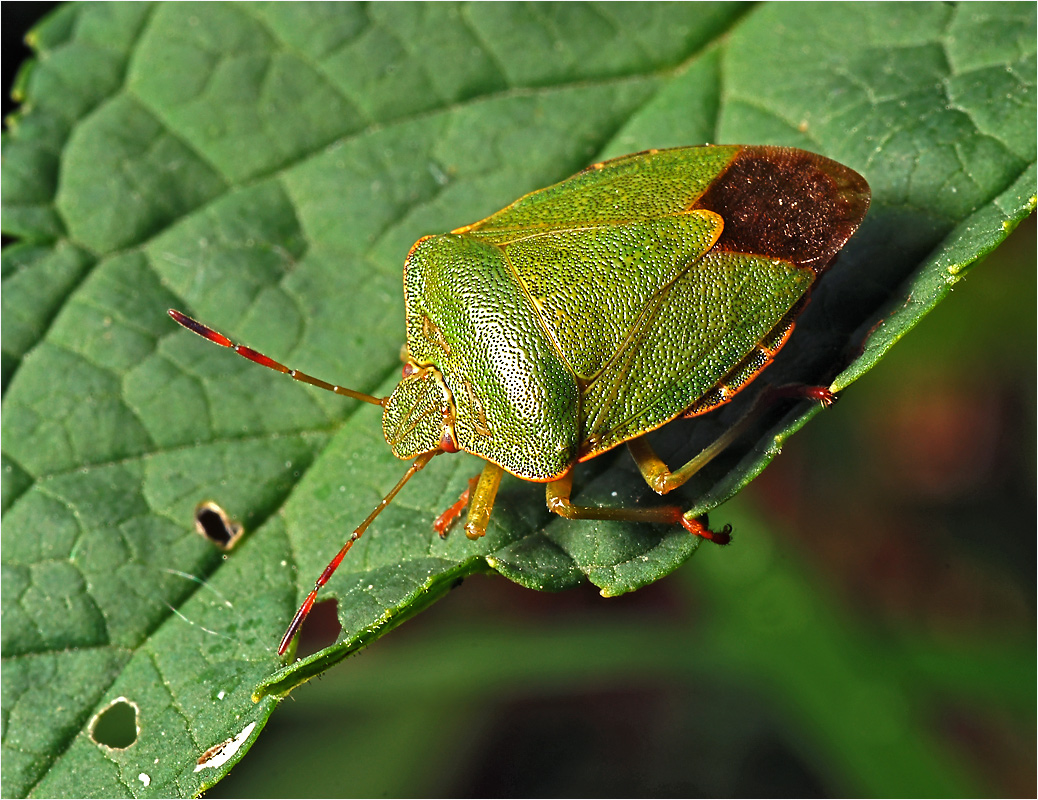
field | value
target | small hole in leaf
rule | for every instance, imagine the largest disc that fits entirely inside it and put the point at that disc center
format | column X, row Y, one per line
column 321, row 629
column 212, row 522
column 116, row 726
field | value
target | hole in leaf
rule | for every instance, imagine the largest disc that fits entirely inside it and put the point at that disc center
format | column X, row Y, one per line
column 212, row 522
column 321, row 629
column 116, row 726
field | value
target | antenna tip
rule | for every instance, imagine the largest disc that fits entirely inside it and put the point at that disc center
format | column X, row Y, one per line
column 202, row 330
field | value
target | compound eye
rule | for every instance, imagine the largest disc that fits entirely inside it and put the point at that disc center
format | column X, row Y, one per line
column 447, row 443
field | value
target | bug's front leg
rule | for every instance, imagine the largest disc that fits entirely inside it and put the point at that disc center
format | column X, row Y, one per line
column 558, row 497
column 479, row 497
column 483, row 500
column 442, row 524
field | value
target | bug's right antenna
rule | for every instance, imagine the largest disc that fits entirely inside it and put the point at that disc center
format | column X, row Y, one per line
column 304, row 609
column 216, row 337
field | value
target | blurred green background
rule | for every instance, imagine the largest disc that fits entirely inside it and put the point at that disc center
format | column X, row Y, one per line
column 870, row 631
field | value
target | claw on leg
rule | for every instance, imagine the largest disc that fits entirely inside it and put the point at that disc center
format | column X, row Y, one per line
column 697, row 528
column 442, row 524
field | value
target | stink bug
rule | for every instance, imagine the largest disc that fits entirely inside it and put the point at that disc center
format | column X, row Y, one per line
column 584, row 315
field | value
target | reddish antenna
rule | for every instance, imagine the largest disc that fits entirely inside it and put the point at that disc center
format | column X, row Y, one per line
column 216, row 337
column 304, row 609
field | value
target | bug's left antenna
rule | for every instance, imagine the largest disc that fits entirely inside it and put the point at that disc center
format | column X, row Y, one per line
column 216, row 337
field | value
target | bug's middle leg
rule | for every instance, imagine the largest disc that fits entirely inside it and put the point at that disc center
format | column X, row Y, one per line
column 558, row 497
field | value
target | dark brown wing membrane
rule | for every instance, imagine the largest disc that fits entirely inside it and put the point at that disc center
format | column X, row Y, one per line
column 788, row 204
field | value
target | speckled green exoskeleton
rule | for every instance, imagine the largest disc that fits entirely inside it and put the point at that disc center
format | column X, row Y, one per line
column 584, row 315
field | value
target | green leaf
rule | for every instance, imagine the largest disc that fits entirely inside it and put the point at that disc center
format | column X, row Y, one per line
column 266, row 168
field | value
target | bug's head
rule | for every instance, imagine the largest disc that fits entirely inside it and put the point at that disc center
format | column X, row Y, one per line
column 419, row 416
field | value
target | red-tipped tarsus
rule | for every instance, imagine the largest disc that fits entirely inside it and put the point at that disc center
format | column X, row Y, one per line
column 697, row 528
column 443, row 523
column 820, row 393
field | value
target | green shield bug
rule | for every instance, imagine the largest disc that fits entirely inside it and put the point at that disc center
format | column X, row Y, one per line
column 645, row 288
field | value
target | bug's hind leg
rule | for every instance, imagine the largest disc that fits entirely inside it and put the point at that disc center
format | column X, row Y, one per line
column 558, row 496
column 662, row 479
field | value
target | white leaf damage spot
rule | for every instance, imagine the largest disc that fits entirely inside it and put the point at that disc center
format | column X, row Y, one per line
column 144, row 778
column 220, row 754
